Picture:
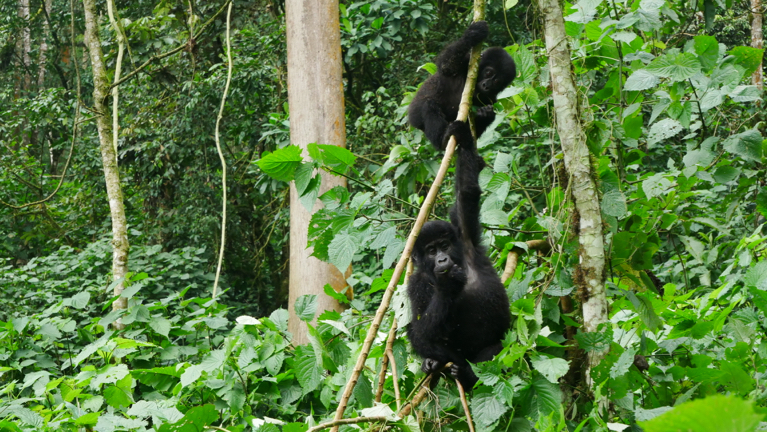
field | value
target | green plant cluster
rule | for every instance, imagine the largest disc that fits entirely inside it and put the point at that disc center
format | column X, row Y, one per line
column 675, row 131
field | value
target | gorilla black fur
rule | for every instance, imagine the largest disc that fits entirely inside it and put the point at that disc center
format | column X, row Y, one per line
column 436, row 103
column 460, row 311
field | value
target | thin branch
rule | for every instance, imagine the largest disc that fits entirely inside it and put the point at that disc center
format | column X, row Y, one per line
column 394, row 373
column 385, row 361
column 221, row 153
column 513, row 258
column 118, row 68
column 465, row 404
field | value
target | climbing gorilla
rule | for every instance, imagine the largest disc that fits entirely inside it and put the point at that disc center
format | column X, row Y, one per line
column 460, row 311
column 436, row 103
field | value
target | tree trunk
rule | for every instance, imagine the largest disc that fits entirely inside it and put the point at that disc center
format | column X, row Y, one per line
column 315, row 95
column 108, row 155
column 757, row 40
column 590, row 271
column 25, row 43
column 42, row 58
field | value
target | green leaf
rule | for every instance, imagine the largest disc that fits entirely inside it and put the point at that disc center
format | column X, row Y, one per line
column 549, row 396
column 594, row 341
column 747, row 145
column 282, row 164
column 299, row 427
column 363, row 392
column 194, row 420
column 303, row 177
column 306, row 307
column 309, row 196
column 585, row 11
column 336, row 157
column 160, row 325
column 117, row 398
column 757, row 276
column 27, row 416
column 525, row 61
column 214, row 360
column 190, row 375
column 663, row 130
column 87, row 419
column 308, row 373
column 677, row 67
column 656, row 185
column 280, row 319
column 713, row 414
column 711, row 99
column 614, row 204
column 428, row 67
column 274, row 363
column 384, row 238
column 709, row 13
column 747, row 57
column 552, row 368
column 339, row 297
column 726, row 174
column 622, row 365
column 641, row 80
column 80, row 301
column 486, row 408
column 707, row 49
column 745, row 93
column 393, row 252
column 643, row 307
column 341, row 250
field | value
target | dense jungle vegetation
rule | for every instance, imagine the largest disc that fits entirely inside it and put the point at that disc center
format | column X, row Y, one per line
column 676, row 133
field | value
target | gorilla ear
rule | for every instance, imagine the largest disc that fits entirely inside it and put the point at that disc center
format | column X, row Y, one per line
column 414, row 258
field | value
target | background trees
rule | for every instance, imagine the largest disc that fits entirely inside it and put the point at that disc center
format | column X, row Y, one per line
column 675, row 137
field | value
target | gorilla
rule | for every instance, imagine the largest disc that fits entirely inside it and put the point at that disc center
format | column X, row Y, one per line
column 460, row 310
column 436, row 103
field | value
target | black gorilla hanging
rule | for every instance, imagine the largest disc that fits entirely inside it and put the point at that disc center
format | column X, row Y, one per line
column 436, row 103
column 460, row 311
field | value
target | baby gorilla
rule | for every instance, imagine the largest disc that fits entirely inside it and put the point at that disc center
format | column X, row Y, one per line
column 460, row 311
column 436, row 103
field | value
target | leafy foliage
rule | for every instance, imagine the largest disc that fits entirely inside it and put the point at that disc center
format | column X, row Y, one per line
column 677, row 140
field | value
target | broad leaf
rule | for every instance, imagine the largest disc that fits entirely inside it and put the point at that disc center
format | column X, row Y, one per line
column 676, row 67
column 282, row 164
column 716, row 413
column 306, row 307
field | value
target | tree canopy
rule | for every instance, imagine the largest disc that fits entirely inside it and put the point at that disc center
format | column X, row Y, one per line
column 675, row 133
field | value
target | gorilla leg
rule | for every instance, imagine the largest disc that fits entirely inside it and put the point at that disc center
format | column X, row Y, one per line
column 435, row 124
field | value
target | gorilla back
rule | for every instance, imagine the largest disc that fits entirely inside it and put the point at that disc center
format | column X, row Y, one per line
column 460, row 311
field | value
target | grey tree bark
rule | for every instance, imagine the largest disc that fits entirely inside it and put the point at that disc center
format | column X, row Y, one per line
column 757, row 39
column 590, row 270
column 25, row 43
column 316, row 100
column 120, row 244
column 43, row 56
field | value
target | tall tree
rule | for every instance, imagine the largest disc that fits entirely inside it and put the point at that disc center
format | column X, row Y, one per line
column 108, row 153
column 315, row 96
column 590, row 270
column 757, row 39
